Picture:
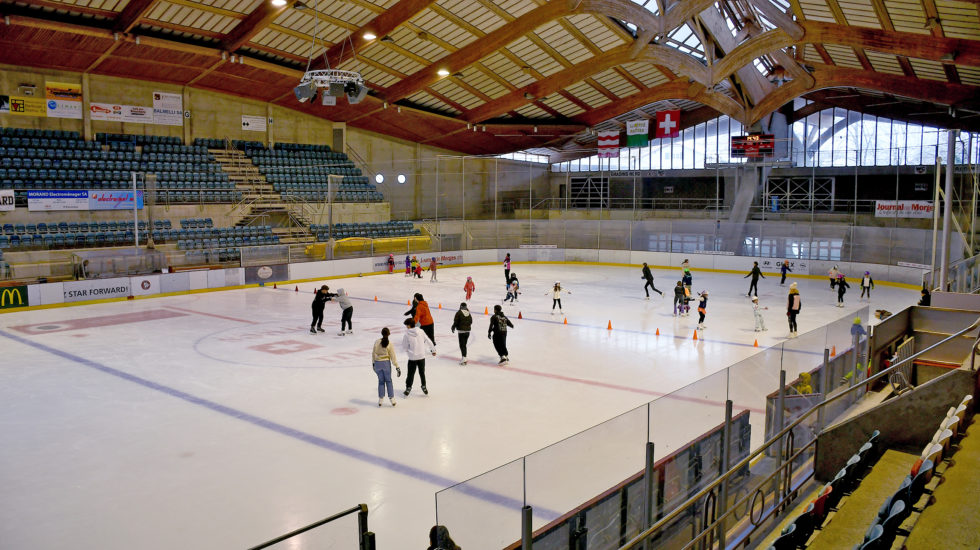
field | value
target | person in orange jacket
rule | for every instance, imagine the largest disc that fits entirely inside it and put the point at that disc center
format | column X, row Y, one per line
column 423, row 318
column 469, row 288
column 433, row 265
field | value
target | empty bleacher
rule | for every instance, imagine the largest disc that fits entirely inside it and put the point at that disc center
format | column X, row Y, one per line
column 302, row 171
column 378, row 230
column 200, row 234
column 42, row 236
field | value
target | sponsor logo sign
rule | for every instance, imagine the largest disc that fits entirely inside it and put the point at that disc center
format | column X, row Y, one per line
column 114, row 200
column 28, row 106
column 253, row 123
column 63, row 99
column 78, row 291
column 13, row 296
column 4, row 104
column 168, row 109
column 114, row 112
column 801, row 267
column 903, row 209
column 6, row 200
column 266, row 273
column 57, row 200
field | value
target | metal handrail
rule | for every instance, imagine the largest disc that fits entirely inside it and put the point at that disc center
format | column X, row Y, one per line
column 360, row 509
column 670, row 516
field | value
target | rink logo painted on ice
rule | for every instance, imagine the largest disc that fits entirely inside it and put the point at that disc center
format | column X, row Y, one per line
column 284, row 347
column 13, row 296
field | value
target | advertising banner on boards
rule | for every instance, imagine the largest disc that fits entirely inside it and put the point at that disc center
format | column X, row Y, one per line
column 6, row 200
column 115, row 112
column 57, row 200
column 28, row 106
column 99, row 289
column 903, row 209
column 799, row 267
column 13, row 296
column 266, row 273
column 114, row 200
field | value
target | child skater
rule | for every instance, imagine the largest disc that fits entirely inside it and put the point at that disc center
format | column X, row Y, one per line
column 783, row 270
column 391, row 263
column 867, row 283
column 760, row 323
column 688, row 279
column 842, row 287
column 793, row 305
column 418, row 270
column 346, row 312
column 408, row 266
column 498, row 333
column 702, row 308
column 415, row 264
column 649, row 281
column 507, row 268
column 833, row 273
column 512, row 291
column 463, row 322
column 432, row 269
column 469, row 288
column 556, row 296
column 678, row 298
column 687, row 301
column 383, row 357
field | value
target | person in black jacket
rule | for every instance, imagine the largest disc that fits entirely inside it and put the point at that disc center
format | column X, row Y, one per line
column 320, row 300
column 926, row 299
column 842, row 287
column 649, row 278
column 679, row 297
column 439, row 539
column 463, row 322
column 498, row 333
column 754, row 284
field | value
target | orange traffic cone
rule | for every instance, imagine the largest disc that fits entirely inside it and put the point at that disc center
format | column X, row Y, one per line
column 566, row 321
column 375, row 298
column 440, row 306
column 609, row 326
column 756, row 344
column 833, row 351
column 519, row 316
column 695, row 334
column 486, row 310
column 658, row 332
column 297, row 288
column 408, row 302
column 274, row 286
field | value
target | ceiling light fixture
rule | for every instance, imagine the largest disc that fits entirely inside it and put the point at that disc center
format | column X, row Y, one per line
column 442, row 72
column 278, row 3
column 300, row 6
column 948, row 57
column 368, row 35
column 387, row 38
column 457, row 75
column 334, row 82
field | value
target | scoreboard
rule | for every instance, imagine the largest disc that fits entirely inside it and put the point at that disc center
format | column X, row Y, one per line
column 753, row 146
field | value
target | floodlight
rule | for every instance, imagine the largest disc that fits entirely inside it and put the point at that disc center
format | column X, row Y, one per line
column 305, row 91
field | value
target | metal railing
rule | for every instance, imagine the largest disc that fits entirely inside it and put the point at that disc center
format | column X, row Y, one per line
column 365, row 538
column 785, row 465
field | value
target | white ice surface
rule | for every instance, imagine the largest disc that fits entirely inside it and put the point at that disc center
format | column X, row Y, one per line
column 185, row 432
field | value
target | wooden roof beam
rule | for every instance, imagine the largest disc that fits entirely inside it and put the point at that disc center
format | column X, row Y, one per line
column 260, row 18
column 384, row 23
column 782, row 21
column 131, row 14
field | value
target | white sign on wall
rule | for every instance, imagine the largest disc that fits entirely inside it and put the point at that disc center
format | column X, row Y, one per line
column 6, row 200
column 77, row 291
column 252, row 123
column 903, row 209
column 115, row 112
column 168, row 109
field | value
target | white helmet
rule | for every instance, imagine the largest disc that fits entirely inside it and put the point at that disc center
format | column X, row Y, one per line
column 557, row 282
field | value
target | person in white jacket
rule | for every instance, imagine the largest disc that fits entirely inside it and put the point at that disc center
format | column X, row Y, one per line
column 760, row 323
column 416, row 343
column 556, row 296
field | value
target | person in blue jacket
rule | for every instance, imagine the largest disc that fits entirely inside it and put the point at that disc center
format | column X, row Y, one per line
column 783, row 270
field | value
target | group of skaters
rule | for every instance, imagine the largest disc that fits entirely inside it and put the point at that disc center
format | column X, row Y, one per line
column 413, row 267
column 683, row 295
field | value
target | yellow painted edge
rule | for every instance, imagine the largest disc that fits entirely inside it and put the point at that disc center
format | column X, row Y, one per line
column 331, row 277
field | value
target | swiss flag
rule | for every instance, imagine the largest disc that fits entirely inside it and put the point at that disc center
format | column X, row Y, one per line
column 668, row 124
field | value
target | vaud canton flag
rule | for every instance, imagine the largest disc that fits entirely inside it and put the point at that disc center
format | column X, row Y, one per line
column 608, row 144
column 637, row 132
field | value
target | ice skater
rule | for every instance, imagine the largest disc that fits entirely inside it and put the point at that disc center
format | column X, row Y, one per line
column 346, row 312
column 391, row 263
column 754, row 283
column 685, row 265
column 678, row 298
column 418, row 270
column 688, row 298
column 416, row 343
column 760, row 322
column 842, row 287
column 512, row 291
column 498, row 333
column 408, row 266
column 793, row 305
column 833, row 273
column 382, row 358
column 433, row 265
column 783, row 270
column 320, row 300
column 556, row 296
column 507, row 268
column 423, row 317
column 648, row 276
column 702, row 308
column 867, row 283
column 463, row 323
column 469, row 288
column 687, row 278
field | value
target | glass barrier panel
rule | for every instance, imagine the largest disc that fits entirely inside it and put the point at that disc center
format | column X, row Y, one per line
column 485, row 511
column 340, row 533
column 752, row 386
column 614, row 235
column 588, row 472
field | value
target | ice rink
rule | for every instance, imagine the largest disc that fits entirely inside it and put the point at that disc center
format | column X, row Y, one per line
column 215, row 420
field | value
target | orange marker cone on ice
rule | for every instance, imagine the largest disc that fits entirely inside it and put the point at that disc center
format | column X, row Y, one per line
column 297, row 288
column 486, row 310
column 274, row 286
column 408, row 302
column 519, row 316
column 695, row 334
column 609, row 326
column 566, row 321
column 658, row 332
column 833, row 351
column 756, row 344
column 375, row 298
column 440, row 306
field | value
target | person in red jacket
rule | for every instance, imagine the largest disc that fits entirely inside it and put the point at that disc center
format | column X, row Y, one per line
column 423, row 318
column 469, row 288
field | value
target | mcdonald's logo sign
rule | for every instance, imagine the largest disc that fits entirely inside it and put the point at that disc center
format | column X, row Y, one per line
column 13, row 296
